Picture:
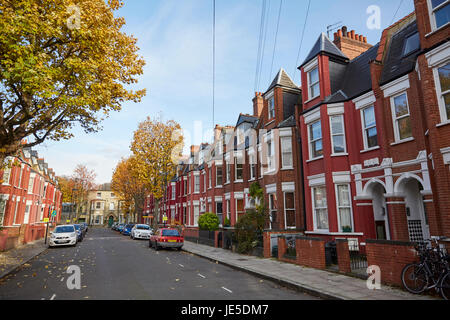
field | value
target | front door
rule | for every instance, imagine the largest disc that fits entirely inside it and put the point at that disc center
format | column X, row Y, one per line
column 110, row 221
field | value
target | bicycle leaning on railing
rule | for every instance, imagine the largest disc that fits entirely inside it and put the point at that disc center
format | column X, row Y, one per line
column 433, row 270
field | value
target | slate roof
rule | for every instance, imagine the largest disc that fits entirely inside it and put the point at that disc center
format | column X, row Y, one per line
column 282, row 79
column 246, row 118
column 289, row 122
column 324, row 45
column 395, row 64
column 357, row 79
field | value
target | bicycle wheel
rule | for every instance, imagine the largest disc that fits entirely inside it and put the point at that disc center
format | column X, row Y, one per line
column 414, row 278
column 445, row 286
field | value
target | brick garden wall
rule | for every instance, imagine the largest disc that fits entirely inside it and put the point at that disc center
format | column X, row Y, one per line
column 310, row 252
column 391, row 257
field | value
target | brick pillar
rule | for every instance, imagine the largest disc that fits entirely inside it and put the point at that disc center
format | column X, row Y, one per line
column 343, row 255
column 266, row 244
column 397, row 218
column 433, row 221
column 281, row 247
column 216, row 239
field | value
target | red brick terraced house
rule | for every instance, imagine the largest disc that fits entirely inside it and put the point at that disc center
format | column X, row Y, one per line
column 29, row 193
column 375, row 128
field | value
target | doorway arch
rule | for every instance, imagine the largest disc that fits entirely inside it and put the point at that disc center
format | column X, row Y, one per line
column 376, row 190
column 110, row 220
column 411, row 186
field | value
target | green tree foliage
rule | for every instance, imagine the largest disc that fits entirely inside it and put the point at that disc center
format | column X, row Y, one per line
column 208, row 221
column 250, row 227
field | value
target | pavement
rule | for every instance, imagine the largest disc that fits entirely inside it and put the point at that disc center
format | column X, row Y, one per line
column 12, row 259
column 324, row 284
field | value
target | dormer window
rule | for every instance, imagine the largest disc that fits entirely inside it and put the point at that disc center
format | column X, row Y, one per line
column 271, row 108
column 440, row 12
column 313, row 83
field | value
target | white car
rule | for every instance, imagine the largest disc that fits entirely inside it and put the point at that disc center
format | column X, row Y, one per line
column 141, row 231
column 64, row 235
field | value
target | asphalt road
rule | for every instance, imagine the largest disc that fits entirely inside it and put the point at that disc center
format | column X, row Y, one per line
column 115, row 267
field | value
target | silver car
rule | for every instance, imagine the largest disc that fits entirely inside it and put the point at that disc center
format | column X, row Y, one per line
column 64, row 235
column 141, row 231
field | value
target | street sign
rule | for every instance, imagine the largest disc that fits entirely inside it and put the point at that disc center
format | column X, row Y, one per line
column 67, row 221
column 144, row 217
column 54, row 213
column 46, row 219
column 165, row 218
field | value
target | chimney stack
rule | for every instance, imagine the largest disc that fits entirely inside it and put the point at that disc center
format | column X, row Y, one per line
column 350, row 43
column 258, row 104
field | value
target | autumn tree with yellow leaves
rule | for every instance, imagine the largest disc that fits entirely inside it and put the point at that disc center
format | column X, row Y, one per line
column 62, row 63
column 130, row 189
column 157, row 147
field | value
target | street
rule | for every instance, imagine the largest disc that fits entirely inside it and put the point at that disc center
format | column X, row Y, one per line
column 115, row 267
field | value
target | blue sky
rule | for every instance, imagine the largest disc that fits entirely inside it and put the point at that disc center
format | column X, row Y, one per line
column 175, row 38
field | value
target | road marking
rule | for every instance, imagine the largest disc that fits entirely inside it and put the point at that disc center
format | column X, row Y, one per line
column 200, row 275
column 53, row 297
column 227, row 290
column 62, row 279
column 181, row 265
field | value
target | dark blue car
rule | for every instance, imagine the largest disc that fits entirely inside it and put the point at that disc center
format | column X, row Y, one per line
column 120, row 227
column 127, row 229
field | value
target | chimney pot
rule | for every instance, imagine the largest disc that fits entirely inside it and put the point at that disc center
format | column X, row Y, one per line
column 339, row 33
column 344, row 31
column 352, row 34
column 335, row 36
column 365, row 39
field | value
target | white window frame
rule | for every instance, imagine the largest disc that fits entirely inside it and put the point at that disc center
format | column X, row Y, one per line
column 271, row 104
column 313, row 84
column 270, row 208
column 221, row 176
column 252, row 164
column 314, row 208
column 338, row 206
column 440, row 94
column 21, row 171
column 431, row 12
column 15, row 212
column 341, row 116
column 196, row 214
column 365, row 129
column 285, row 209
column 236, row 160
column 228, row 172
column 236, row 208
column 196, row 183
column 310, row 142
column 26, row 217
column 7, row 172
column 210, row 178
column 395, row 119
column 285, row 154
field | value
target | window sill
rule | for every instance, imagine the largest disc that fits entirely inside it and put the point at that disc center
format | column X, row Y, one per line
column 370, row 149
column 218, row 187
column 311, row 160
column 402, row 141
column 271, row 171
column 270, row 122
column 252, row 179
column 437, row 29
column 287, row 168
column 339, row 154
column 238, row 181
column 444, row 123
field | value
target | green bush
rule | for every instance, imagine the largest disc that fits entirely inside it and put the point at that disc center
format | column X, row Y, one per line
column 208, row 221
column 226, row 222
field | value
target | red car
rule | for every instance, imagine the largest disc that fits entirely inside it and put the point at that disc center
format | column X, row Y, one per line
column 166, row 238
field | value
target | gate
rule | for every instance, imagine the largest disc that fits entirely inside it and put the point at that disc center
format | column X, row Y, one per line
column 358, row 259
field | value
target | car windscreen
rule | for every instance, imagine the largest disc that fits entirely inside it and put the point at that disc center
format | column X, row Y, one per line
column 143, row 227
column 64, row 229
column 129, row 226
column 170, row 233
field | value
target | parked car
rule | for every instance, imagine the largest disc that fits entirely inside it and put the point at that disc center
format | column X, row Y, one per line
column 84, row 229
column 166, row 238
column 79, row 231
column 86, row 226
column 120, row 227
column 114, row 226
column 63, row 235
column 141, row 231
column 127, row 229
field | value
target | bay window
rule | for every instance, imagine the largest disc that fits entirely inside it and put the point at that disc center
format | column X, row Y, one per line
column 315, row 140
column 286, row 152
column 344, row 208
column 320, row 208
column 337, row 134
column 443, row 91
column 369, row 126
column 313, row 83
column 440, row 12
column 401, row 119
column 289, row 210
